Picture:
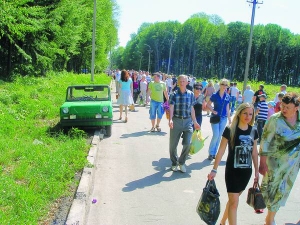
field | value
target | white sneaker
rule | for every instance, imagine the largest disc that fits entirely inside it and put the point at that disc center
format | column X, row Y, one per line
column 182, row 168
column 174, row 168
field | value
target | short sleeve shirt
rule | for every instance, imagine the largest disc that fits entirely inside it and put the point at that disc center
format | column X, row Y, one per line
column 248, row 96
column 257, row 93
column 218, row 103
column 157, row 89
column 243, row 142
column 198, row 105
column 183, row 102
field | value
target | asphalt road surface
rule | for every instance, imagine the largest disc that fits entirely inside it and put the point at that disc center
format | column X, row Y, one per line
column 134, row 185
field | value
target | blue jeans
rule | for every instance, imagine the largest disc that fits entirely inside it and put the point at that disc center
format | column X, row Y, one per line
column 180, row 127
column 217, row 129
column 232, row 102
column 156, row 108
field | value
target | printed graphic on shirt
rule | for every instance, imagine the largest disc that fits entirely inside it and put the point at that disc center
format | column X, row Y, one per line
column 158, row 87
column 243, row 153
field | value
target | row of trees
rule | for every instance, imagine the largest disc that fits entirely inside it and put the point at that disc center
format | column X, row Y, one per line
column 41, row 35
column 205, row 47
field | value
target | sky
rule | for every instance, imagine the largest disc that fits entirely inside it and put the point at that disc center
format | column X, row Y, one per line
column 133, row 13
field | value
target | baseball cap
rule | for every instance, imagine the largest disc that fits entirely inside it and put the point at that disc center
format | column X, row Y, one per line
column 262, row 95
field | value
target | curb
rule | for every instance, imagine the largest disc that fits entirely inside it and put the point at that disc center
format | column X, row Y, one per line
column 81, row 202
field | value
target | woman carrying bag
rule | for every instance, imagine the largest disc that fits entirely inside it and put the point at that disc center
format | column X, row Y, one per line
column 241, row 138
column 280, row 155
column 220, row 114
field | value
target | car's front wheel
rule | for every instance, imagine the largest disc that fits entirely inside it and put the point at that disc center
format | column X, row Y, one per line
column 108, row 131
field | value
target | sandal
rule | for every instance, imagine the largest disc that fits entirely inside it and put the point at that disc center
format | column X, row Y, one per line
column 152, row 129
column 120, row 118
column 126, row 119
column 158, row 128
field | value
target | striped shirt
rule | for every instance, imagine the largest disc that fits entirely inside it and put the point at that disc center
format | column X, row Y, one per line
column 263, row 110
column 182, row 102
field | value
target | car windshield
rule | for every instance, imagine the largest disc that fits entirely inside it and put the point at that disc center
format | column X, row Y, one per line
column 88, row 93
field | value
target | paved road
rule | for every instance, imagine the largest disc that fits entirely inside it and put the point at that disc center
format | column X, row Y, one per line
column 134, row 185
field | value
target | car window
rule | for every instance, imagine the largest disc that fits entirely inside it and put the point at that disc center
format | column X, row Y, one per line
column 88, row 93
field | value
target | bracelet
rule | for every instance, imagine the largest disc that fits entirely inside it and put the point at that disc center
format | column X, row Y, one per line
column 213, row 170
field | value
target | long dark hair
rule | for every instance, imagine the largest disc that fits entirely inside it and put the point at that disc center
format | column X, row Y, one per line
column 124, row 76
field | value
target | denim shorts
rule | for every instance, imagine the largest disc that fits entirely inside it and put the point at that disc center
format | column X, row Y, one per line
column 156, row 108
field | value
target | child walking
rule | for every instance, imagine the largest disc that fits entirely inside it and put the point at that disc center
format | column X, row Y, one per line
column 241, row 138
column 271, row 110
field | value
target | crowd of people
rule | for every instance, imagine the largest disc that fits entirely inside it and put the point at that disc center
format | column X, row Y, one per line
column 262, row 137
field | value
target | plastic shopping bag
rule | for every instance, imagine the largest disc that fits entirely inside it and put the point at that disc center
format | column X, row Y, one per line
column 208, row 207
column 197, row 142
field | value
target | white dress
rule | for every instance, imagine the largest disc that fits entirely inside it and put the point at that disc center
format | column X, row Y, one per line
column 125, row 96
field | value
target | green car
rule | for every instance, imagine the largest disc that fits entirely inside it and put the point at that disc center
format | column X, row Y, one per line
column 88, row 106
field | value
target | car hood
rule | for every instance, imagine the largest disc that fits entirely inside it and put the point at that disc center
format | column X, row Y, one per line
column 90, row 106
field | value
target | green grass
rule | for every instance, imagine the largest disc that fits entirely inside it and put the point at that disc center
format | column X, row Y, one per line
column 38, row 162
column 270, row 89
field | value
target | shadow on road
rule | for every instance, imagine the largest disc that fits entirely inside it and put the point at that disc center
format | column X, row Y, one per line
column 163, row 167
column 298, row 223
column 143, row 133
column 204, row 163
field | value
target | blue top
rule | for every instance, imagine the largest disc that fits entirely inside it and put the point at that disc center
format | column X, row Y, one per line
column 126, row 85
column 182, row 102
column 218, row 103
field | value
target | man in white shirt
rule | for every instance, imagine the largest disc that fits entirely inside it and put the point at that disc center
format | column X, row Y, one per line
column 248, row 95
column 118, row 77
column 216, row 85
column 282, row 90
column 234, row 94
column 169, row 83
column 148, row 77
column 139, row 77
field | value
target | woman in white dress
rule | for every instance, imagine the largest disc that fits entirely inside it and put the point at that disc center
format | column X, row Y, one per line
column 125, row 93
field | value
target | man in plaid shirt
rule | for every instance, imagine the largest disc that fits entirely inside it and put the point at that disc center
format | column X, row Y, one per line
column 182, row 117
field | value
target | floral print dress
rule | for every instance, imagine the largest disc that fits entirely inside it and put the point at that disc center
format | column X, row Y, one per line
column 281, row 144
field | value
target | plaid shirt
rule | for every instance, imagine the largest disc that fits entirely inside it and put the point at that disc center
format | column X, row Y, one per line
column 182, row 102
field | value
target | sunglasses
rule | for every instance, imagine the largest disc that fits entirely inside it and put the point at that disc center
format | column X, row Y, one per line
column 197, row 88
column 224, row 84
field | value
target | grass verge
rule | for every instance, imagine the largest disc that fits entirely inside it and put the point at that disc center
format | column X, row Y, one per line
column 38, row 161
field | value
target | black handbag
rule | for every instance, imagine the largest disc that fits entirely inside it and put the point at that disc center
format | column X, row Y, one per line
column 215, row 119
column 255, row 198
column 208, row 207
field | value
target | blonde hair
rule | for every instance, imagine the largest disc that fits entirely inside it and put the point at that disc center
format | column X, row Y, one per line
column 223, row 81
column 236, row 120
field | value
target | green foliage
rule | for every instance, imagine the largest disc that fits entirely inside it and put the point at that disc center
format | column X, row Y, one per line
column 39, row 36
column 205, row 47
column 38, row 161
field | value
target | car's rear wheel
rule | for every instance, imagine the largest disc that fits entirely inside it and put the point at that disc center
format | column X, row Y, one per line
column 108, row 131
